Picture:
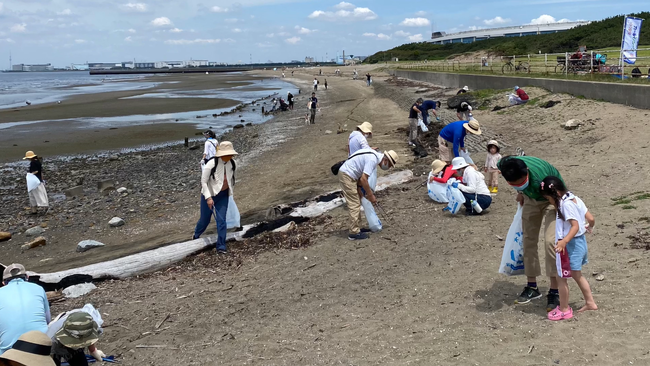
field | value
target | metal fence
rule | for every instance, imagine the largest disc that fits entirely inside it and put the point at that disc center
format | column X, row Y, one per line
column 586, row 63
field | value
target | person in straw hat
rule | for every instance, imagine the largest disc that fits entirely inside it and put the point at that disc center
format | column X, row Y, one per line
column 491, row 169
column 31, row 349
column 37, row 193
column 452, row 138
column 23, row 306
column 353, row 176
column 217, row 181
column 359, row 139
column 441, row 172
column 80, row 331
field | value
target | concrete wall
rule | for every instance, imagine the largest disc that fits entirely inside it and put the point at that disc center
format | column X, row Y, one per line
column 629, row 94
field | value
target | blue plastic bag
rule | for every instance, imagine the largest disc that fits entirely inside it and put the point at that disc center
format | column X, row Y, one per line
column 512, row 260
column 232, row 214
column 374, row 224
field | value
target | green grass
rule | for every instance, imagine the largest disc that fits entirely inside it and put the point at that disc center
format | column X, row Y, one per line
column 644, row 196
column 623, row 201
column 629, row 207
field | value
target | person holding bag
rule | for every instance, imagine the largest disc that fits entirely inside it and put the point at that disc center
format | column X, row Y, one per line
column 217, row 181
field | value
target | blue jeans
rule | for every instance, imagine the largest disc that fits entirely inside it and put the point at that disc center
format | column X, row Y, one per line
column 483, row 200
column 221, row 207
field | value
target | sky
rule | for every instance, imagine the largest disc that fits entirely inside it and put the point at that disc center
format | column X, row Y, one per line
column 62, row 32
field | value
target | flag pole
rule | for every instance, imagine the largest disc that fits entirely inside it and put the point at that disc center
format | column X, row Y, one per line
column 621, row 54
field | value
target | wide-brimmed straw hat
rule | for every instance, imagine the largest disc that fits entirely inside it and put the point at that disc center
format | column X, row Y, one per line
column 225, row 148
column 365, row 127
column 31, row 349
column 437, row 166
column 473, row 126
column 78, row 331
column 29, row 155
column 459, row 163
column 392, row 157
column 493, row 143
column 13, row 270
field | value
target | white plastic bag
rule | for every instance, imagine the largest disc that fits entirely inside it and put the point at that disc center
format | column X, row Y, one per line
column 465, row 155
column 455, row 198
column 372, row 180
column 512, row 260
column 232, row 214
column 374, row 224
column 32, row 182
column 437, row 191
column 423, row 127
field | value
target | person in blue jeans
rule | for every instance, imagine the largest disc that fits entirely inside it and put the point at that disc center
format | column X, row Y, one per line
column 217, row 181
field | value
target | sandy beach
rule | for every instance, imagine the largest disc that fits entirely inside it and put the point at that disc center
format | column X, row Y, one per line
column 424, row 291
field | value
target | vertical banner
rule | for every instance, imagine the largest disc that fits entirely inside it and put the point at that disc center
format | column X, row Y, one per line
column 631, row 39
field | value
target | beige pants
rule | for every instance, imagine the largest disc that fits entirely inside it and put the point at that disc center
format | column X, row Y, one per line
column 445, row 149
column 349, row 187
column 38, row 197
column 532, row 216
column 413, row 129
column 493, row 177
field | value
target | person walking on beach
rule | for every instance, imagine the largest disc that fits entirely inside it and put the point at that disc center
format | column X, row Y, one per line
column 313, row 107
column 325, row 84
column 36, row 184
column 217, row 181
column 525, row 174
column 452, row 138
column 290, row 100
column 414, row 114
column 353, row 177
column 368, row 79
column 210, row 147
column 315, row 84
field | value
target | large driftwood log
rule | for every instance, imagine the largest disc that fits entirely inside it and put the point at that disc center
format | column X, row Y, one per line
column 153, row 260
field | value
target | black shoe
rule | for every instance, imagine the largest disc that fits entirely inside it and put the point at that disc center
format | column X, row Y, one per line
column 553, row 301
column 359, row 236
column 222, row 251
column 528, row 295
column 364, row 230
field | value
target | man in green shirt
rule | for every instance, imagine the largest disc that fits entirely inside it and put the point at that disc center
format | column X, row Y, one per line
column 525, row 174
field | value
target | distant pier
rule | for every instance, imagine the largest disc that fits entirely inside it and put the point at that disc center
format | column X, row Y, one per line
column 179, row 70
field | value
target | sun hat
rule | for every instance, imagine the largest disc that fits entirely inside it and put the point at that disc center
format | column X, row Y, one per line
column 29, row 155
column 78, row 331
column 465, row 88
column 365, row 127
column 473, row 126
column 459, row 163
column 31, row 349
column 493, row 143
column 437, row 166
column 516, row 88
column 225, row 148
column 392, row 157
column 13, row 270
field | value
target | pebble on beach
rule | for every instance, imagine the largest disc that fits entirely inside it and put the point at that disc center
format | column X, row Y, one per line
column 38, row 242
column 34, row 231
column 4, row 236
column 86, row 245
column 116, row 221
column 78, row 290
column 121, row 190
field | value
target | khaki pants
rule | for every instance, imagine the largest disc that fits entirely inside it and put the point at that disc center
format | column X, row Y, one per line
column 445, row 149
column 413, row 129
column 493, row 177
column 349, row 187
column 532, row 216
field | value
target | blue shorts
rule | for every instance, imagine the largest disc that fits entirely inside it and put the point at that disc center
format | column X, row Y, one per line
column 577, row 249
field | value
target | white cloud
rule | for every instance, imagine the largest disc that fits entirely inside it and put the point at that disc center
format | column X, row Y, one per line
column 161, row 22
column 421, row 13
column 284, row 34
column 18, row 28
column 415, row 22
column 79, row 41
column 369, row 35
column 401, row 33
column 383, row 37
column 236, row 30
column 176, row 30
column 496, row 21
column 8, row 40
column 128, row 39
column 292, row 40
column 134, row 7
column 265, row 45
column 303, row 30
column 416, row 38
column 218, row 9
column 344, row 6
column 64, row 12
column 131, row 30
column 354, row 14
column 545, row 19
column 231, row 20
column 191, row 41
column 270, row 35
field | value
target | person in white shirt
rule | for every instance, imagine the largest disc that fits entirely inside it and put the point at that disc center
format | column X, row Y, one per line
column 359, row 139
column 474, row 188
column 353, row 176
column 217, row 181
column 315, row 84
column 210, row 147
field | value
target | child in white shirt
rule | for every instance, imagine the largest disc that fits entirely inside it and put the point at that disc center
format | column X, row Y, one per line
column 490, row 168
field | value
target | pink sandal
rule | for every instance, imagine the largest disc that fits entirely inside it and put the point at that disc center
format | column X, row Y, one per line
column 556, row 314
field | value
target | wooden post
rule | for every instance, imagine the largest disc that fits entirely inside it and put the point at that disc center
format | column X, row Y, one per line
column 262, row 109
column 546, row 63
column 566, row 63
column 187, row 142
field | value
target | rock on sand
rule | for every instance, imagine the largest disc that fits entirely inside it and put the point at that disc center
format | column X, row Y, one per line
column 34, row 231
column 85, row 245
column 4, row 236
column 121, row 190
column 78, row 290
column 116, row 221
column 38, row 242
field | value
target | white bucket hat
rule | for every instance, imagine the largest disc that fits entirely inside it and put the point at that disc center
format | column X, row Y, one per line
column 458, row 163
column 225, row 148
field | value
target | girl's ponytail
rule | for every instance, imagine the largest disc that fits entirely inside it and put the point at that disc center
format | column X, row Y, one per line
column 550, row 187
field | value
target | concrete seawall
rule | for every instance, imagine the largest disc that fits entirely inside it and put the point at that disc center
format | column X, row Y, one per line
column 629, row 94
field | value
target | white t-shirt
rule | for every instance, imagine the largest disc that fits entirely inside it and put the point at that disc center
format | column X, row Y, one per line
column 571, row 211
column 315, row 82
column 357, row 141
column 362, row 163
column 210, row 149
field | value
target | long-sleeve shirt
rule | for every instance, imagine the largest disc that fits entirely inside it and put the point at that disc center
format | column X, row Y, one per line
column 474, row 182
column 446, row 175
column 492, row 160
column 23, row 308
column 455, row 133
column 210, row 186
column 522, row 94
column 357, row 141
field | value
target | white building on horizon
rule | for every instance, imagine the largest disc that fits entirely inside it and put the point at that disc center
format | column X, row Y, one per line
column 515, row 31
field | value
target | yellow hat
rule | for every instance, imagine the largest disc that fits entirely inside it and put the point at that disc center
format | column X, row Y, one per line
column 225, row 148
column 365, row 127
column 437, row 166
column 29, row 155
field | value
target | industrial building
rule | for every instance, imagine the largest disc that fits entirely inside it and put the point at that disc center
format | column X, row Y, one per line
column 32, row 68
column 517, row 31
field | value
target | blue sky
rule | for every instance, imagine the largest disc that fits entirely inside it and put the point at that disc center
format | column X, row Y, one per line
column 75, row 31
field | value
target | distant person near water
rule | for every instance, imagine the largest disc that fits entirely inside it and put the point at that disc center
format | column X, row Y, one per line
column 325, row 84
column 313, row 106
column 290, row 100
column 210, row 147
column 368, row 79
column 36, row 184
column 315, row 84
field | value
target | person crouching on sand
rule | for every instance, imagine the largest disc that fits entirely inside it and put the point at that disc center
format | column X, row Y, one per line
column 217, row 181
column 36, row 190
